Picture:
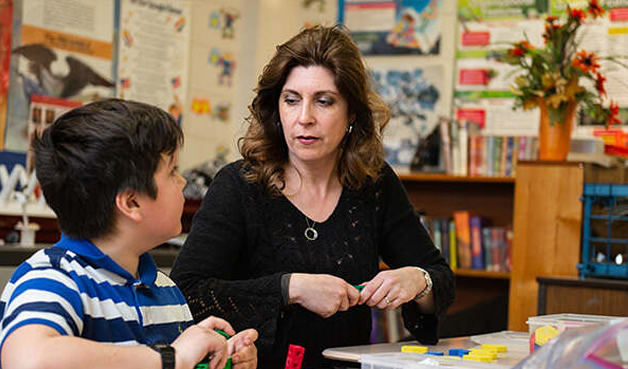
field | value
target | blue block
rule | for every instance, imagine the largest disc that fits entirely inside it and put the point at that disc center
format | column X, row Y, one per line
column 458, row 352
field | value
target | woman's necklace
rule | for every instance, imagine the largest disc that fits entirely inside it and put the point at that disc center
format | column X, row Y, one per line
column 310, row 233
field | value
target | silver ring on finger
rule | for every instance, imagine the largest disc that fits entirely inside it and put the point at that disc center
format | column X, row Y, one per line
column 388, row 302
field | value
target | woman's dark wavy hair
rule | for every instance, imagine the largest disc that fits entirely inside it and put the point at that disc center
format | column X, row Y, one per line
column 263, row 146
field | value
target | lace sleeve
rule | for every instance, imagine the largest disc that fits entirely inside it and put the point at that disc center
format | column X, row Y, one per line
column 406, row 242
column 211, row 270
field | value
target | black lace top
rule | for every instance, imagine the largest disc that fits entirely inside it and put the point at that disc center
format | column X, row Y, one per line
column 243, row 240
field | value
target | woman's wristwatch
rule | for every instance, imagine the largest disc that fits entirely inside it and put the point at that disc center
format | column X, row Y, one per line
column 428, row 285
column 166, row 352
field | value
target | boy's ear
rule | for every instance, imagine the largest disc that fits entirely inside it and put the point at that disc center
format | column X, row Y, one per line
column 127, row 204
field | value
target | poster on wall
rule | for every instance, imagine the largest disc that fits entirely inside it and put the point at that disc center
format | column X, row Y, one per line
column 414, row 96
column 482, row 83
column 393, row 27
column 6, row 24
column 60, row 49
column 153, row 53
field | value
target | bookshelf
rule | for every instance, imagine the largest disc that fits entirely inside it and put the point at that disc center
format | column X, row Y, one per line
column 439, row 195
column 481, row 274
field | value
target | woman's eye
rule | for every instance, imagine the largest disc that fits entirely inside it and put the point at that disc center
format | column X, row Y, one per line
column 326, row 102
column 290, row 100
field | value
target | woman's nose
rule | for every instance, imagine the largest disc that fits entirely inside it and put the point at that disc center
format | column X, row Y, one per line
column 306, row 115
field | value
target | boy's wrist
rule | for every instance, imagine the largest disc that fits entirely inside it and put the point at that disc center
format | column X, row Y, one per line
column 167, row 354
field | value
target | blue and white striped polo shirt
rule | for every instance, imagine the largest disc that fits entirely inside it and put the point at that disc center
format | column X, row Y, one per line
column 79, row 291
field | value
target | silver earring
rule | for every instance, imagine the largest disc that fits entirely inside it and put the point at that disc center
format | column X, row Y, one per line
column 350, row 128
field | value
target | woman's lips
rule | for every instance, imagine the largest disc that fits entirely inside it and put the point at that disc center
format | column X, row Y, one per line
column 307, row 140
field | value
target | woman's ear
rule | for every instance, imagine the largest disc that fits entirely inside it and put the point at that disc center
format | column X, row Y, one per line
column 128, row 205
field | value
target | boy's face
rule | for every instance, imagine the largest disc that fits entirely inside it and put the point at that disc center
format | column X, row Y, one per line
column 163, row 214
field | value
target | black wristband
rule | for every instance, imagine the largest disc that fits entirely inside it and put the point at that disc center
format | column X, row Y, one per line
column 166, row 352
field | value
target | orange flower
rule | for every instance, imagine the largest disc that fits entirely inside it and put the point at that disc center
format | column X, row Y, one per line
column 599, row 84
column 577, row 14
column 587, row 62
column 520, row 49
column 613, row 114
column 551, row 19
column 595, row 9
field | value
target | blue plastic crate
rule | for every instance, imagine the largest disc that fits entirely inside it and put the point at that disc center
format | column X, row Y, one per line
column 605, row 231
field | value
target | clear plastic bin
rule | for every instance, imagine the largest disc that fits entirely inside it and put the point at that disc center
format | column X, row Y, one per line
column 406, row 360
column 545, row 327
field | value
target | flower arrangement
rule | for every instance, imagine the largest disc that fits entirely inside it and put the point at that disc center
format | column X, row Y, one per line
column 552, row 74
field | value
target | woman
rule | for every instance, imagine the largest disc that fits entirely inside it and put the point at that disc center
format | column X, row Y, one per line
column 284, row 235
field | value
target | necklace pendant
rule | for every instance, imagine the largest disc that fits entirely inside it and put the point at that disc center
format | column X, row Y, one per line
column 311, row 234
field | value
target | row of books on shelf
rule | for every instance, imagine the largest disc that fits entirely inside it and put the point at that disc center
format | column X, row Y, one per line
column 466, row 152
column 468, row 241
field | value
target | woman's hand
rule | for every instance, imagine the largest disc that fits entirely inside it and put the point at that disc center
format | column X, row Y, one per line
column 322, row 294
column 242, row 350
column 392, row 288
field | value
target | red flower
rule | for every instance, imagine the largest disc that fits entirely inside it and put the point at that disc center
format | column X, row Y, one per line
column 587, row 62
column 613, row 114
column 577, row 14
column 595, row 9
column 520, row 49
column 599, row 84
column 551, row 19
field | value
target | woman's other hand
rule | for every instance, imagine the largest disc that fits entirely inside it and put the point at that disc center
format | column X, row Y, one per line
column 322, row 294
column 392, row 288
column 242, row 349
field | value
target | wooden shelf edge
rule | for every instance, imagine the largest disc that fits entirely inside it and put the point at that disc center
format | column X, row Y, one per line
column 437, row 177
column 481, row 274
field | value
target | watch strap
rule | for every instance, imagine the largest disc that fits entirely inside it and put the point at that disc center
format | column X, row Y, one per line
column 428, row 285
column 167, row 354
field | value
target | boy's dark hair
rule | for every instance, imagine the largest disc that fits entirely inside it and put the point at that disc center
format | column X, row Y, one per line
column 91, row 153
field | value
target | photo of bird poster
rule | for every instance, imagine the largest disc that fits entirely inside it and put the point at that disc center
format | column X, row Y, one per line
column 61, row 50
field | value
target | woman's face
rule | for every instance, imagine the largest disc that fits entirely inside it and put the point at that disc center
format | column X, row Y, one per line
column 314, row 115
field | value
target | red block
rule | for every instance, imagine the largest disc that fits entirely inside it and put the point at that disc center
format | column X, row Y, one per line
column 295, row 357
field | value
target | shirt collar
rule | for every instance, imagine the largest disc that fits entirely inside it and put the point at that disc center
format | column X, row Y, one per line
column 147, row 269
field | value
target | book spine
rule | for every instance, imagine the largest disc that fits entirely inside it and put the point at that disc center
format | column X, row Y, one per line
column 486, row 248
column 477, row 259
column 453, row 246
column 463, row 235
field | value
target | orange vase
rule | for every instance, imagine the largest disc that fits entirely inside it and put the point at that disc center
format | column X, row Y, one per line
column 555, row 136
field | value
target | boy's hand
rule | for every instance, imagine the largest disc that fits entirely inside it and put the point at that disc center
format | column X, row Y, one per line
column 242, row 350
column 213, row 322
column 199, row 341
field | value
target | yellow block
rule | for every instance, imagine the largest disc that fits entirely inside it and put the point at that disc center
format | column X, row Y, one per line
column 412, row 348
column 480, row 352
column 484, row 359
column 498, row 348
column 544, row 334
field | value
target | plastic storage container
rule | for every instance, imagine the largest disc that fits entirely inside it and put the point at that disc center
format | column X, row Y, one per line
column 545, row 327
column 404, row 360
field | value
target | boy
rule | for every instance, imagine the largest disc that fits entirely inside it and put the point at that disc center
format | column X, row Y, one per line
column 95, row 299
